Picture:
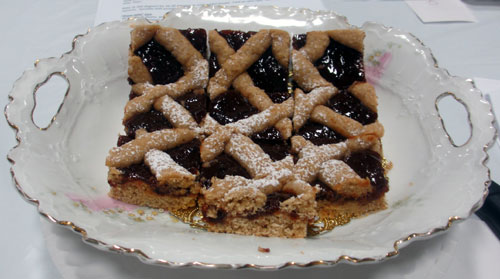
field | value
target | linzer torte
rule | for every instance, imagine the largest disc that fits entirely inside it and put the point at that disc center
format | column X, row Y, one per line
column 264, row 132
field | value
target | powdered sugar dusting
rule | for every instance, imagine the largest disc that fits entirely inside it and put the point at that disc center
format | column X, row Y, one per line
column 200, row 73
column 249, row 125
column 177, row 114
column 336, row 172
column 159, row 161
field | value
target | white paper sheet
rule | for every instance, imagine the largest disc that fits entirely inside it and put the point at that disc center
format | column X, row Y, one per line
column 441, row 10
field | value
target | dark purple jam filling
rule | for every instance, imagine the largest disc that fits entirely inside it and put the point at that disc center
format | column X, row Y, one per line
column 195, row 103
column 236, row 39
column 152, row 120
column 319, row 134
column 268, row 74
column 198, row 38
column 368, row 164
column 142, row 172
column 213, row 65
column 220, row 167
column 341, row 65
column 272, row 204
column 162, row 65
column 139, row 172
column 230, row 107
column 346, row 104
column 326, row 193
column 272, row 143
column 299, row 41
column 279, row 97
column 132, row 94
column 123, row 140
column 221, row 214
column 187, row 155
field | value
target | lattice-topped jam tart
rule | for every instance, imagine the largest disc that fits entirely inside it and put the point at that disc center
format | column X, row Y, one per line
column 262, row 139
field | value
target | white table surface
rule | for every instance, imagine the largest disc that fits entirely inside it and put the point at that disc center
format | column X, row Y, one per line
column 34, row 248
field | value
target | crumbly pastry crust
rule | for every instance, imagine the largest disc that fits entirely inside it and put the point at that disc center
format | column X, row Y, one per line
column 279, row 198
column 275, row 225
column 140, row 193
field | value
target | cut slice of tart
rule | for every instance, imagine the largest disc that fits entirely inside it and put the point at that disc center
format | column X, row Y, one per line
column 337, row 133
column 157, row 160
column 247, row 165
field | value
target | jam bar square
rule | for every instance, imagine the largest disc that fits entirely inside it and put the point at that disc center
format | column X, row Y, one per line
column 337, row 133
column 247, row 165
column 157, row 160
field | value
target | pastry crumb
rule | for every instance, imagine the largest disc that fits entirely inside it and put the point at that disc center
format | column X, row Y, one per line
column 264, row 250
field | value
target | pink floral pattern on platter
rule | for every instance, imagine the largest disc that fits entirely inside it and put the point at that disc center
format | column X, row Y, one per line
column 376, row 65
column 101, row 203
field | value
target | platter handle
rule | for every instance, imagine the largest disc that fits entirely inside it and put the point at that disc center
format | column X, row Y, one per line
column 19, row 110
column 482, row 130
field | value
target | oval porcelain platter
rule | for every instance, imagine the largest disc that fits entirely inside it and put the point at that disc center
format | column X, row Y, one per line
column 432, row 184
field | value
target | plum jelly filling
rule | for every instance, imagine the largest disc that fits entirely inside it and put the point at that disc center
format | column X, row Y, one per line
column 198, row 38
column 230, row 107
column 151, row 121
column 319, row 134
column 346, row 104
column 162, row 65
column 196, row 104
column 270, row 76
column 221, row 166
column 272, row 143
column 367, row 164
column 340, row 65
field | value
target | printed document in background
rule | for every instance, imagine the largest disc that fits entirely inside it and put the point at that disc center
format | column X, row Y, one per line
column 111, row 10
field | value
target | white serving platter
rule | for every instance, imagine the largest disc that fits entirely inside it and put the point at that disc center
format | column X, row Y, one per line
column 433, row 182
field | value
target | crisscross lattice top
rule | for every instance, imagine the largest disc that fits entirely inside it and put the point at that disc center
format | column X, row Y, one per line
column 326, row 125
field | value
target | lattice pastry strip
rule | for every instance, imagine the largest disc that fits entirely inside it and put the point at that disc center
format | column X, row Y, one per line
column 311, row 157
column 343, row 180
column 215, row 143
column 175, row 113
column 194, row 64
column 237, row 63
column 305, row 74
column 344, row 125
column 167, row 171
column 133, row 152
column 305, row 103
column 278, row 40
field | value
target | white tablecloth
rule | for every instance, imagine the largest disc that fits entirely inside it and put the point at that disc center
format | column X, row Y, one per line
column 33, row 248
